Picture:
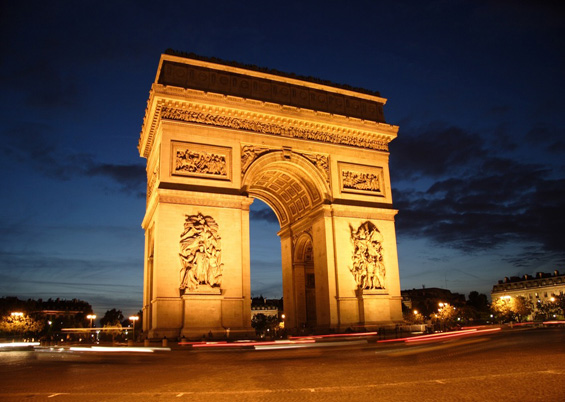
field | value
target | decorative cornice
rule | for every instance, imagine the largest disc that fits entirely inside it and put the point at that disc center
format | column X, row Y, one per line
column 160, row 109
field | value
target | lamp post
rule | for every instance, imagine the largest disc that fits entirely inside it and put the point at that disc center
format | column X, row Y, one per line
column 133, row 319
column 91, row 317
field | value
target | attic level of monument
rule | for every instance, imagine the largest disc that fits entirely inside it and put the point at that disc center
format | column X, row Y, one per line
column 252, row 67
column 268, row 87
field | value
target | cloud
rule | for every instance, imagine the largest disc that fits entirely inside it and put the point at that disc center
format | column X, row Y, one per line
column 434, row 151
column 265, row 214
column 131, row 178
column 34, row 145
column 474, row 199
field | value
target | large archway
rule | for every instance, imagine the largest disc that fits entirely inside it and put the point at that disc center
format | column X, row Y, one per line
column 218, row 136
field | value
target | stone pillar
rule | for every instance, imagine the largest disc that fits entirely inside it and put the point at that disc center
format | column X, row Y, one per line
column 289, row 295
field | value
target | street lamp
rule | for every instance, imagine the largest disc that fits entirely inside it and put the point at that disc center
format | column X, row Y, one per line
column 133, row 319
column 91, row 317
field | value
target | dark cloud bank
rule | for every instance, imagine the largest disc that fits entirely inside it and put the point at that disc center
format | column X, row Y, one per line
column 475, row 199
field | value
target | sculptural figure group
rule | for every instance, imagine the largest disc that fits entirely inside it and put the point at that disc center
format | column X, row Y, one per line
column 368, row 267
column 200, row 254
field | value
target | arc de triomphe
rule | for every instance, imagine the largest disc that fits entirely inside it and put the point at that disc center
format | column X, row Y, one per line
column 217, row 135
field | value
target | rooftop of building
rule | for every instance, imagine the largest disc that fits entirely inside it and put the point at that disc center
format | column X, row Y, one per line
column 527, row 277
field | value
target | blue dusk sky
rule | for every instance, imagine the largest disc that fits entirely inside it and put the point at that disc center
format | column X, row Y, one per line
column 476, row 88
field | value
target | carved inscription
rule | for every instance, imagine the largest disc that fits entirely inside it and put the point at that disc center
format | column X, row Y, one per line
column 360, row 181
column 368, row 267
column 200, row 254
column 172, row 113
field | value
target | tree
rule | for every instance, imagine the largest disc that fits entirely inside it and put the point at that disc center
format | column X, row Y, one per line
column 263, row 323
column 511, row 308
column 522, row 308
column 545, row 310
column 21, row 325
column 112, row 317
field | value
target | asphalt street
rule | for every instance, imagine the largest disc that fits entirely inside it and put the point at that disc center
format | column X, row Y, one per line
column 513, row 365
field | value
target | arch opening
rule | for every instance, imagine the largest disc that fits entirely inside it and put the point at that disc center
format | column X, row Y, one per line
column 293, row 188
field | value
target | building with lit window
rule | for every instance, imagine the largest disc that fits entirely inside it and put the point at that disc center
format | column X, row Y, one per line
column 540, row 288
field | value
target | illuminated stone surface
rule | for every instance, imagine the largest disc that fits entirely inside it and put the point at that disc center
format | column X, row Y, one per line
column 217, row 136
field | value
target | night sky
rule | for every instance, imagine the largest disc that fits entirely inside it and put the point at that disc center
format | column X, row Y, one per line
column 477, row 169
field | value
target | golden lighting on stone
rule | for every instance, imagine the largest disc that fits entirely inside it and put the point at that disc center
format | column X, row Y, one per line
column 218, row 136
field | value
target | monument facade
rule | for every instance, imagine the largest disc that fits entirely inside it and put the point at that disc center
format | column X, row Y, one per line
column 218, row 135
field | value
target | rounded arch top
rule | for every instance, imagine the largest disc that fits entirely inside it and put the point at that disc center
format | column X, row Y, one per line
column 303, row 251
column 288, row 182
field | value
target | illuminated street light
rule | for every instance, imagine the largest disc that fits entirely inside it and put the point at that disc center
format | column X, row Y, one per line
column 91, row 317
column 415, row 312
column 133, row 319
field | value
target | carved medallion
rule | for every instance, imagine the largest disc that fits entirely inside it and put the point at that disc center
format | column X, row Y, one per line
column 368, row 267
column 200, row 255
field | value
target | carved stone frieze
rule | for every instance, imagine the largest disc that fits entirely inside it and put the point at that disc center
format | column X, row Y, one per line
column 200, row 254
column 249, row 124
column 201, row 160
column 368, row 267
column 361, row 181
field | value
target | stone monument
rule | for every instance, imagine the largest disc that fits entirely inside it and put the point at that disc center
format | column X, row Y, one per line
column 216, row 136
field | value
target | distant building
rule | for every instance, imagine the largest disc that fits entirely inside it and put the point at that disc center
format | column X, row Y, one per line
column 541, row 287
column 268, row 307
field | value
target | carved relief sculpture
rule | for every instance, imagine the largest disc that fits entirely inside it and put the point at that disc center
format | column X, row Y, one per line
column 203, row 117
column 321, row 162
column 249, row 153
column 368, row 267
column 360, row 181
column 200, row 162
column 200, row 254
